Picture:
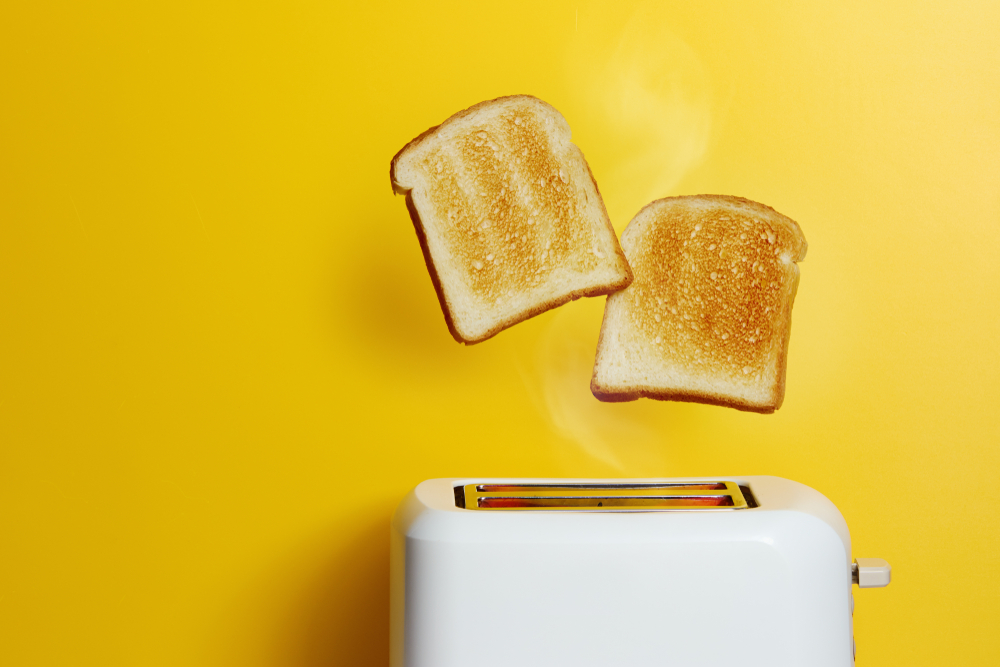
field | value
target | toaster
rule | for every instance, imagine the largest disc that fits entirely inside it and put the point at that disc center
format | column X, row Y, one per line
column 747, row 571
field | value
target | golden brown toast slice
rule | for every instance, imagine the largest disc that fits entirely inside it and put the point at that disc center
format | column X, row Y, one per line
column 708, row 316
column 508, row 215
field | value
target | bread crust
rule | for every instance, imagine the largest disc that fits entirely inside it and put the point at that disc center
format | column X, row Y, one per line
column 684, row 396
column 638, row 390
column 420, row 227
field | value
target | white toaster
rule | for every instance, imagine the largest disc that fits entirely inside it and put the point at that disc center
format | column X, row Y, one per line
column 748, row 571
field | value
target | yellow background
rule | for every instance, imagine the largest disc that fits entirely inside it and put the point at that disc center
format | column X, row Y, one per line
column 222, row 362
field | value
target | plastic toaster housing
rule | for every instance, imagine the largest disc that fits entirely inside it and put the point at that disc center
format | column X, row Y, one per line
column 754, row 581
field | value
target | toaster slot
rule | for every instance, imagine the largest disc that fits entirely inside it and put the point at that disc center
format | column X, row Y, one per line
column 675, row 496
column 601, row 501
column 496, row 488
column 747, row 495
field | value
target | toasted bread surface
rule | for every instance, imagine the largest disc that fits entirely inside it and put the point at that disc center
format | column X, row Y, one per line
column 508, row 215
column 708, row 316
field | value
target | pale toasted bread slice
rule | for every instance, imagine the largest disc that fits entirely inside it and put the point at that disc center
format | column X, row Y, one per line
column 708, row 316
column 508, row 215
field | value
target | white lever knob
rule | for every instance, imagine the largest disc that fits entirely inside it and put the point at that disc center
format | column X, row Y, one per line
column 871, row 572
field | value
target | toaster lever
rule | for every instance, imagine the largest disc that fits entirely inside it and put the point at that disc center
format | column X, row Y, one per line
column 871, row 572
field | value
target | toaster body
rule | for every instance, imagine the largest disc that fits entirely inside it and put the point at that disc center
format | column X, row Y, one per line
column 756, row 578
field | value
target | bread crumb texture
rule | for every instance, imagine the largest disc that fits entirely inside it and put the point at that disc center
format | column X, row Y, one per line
column 513, row 221
column 709, row 313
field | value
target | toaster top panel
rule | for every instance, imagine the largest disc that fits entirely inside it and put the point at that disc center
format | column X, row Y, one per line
column 771, row 509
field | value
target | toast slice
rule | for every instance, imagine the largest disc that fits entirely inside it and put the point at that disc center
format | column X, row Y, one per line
column 508, row 215
column 709, row 314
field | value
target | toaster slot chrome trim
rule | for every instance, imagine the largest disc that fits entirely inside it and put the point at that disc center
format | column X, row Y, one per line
column 581, row 496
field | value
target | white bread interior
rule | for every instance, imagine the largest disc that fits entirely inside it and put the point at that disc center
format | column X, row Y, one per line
column 508, row 215
column 708, row 316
